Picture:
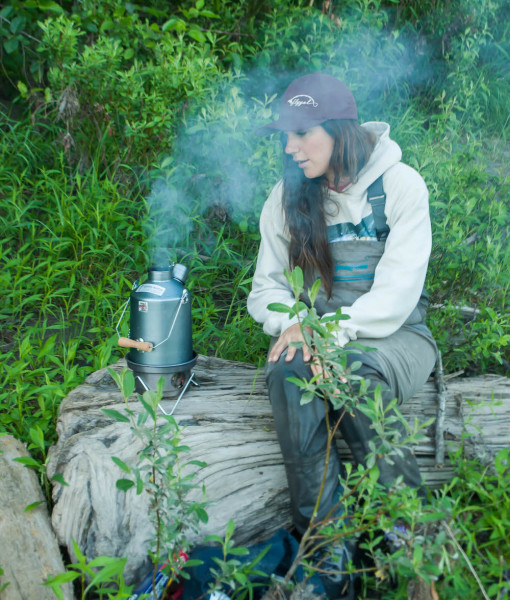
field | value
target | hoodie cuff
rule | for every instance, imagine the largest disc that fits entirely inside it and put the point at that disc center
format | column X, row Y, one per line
column 342, row 337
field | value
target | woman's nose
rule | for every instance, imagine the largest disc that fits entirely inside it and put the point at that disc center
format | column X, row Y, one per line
column 291, row 147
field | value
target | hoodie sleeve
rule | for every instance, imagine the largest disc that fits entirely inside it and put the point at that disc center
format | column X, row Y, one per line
column 269, row 282
column 400, row 274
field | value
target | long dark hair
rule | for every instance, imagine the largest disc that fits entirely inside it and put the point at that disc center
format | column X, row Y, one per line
column 304, row 199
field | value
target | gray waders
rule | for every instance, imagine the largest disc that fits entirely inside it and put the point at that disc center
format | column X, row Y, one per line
column 401, row 364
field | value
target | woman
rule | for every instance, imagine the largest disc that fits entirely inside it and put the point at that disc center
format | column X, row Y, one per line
column 348, row 211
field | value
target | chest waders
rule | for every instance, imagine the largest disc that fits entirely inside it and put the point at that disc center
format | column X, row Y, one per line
column 401, row 364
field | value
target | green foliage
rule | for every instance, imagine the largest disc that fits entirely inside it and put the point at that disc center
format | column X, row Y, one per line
column 160, row 472
column 100, row 577
column 60, row 259
column 480, row 521
column 3, row 586
column 121, row 97
column 233, row 576
column 437, row 539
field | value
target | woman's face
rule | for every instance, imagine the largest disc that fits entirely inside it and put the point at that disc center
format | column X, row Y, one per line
column 311, row 149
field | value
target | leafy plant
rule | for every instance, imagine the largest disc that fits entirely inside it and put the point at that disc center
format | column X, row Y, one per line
column 238, row 578
column 101, row 577
column 359, row 509
column 160, row 473
column 479, row 520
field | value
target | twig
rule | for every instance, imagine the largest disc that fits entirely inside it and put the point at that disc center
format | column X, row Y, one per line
column 453, row 375
column 465, row 557
column 31, row 37
column 441, row 409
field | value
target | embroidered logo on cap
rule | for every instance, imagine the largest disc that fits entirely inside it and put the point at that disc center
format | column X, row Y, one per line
column 301, row 100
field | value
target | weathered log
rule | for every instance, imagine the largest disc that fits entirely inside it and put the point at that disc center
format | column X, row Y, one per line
column 227, row 423
column 29, row 553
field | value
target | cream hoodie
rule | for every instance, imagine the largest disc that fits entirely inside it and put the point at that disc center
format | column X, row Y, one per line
column 400, row 274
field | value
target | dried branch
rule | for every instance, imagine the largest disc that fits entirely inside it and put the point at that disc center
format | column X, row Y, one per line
column 441, row 409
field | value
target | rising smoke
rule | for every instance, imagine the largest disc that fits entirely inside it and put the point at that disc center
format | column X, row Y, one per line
column 220, row 167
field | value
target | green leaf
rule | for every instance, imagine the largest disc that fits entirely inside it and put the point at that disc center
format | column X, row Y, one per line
column 296, row 381
column 194, row 562
column 314, row 290
column 356, row 365
column 335, row 317
column 280, row 307
column 296, row 280
column 62, row 578
column 229, row 531
column 124, row 484
column 115, row 415
column 213, row 538
column 59, row 478
column 241, row 578
column 121, row 464
column 297, row 344
column 112, row 568
column 105, row 25
column 197, row 35
column 49, row 344
column 306, row 398
column 426, row 517
column 17, row 25
column 139, row 484
column 11, row 45
column 170, row 24
column 6, row 11
column 28, row 461
column 34, row 505
column 202, row 516
column 128, row 383
column 417, row 555
column 50, row 6
column 78, row 553
column 37, row 436
column 239, row 551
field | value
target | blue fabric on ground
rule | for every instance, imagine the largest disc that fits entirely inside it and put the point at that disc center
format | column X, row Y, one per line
column 277, row 561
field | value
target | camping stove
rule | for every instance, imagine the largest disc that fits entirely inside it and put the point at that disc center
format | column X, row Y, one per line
column 160, row 338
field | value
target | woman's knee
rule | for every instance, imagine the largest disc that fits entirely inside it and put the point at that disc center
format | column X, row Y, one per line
column 279, row 371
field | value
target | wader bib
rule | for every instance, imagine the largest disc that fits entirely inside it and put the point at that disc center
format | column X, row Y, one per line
column 401, row 364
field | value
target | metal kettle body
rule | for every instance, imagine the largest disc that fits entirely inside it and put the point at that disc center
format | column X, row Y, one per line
column 160, row 334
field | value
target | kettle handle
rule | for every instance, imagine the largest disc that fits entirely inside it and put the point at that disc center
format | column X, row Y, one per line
column 125, row 342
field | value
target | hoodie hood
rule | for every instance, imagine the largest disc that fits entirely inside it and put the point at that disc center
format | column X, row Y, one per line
column 385, row 154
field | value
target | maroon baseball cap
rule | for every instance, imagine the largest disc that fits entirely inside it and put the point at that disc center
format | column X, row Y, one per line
column 310, row 100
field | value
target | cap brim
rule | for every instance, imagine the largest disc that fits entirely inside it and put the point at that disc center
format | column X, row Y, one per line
column 288, row 124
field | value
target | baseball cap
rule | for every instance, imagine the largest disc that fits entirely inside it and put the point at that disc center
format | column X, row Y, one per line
column 310, row 100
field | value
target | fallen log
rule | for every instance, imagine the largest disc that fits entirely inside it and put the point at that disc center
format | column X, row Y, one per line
column 228, row 424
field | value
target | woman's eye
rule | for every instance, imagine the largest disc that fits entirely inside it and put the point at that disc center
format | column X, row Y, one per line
column 302, row 133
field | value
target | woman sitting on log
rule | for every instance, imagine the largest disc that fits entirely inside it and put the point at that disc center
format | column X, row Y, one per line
column 347, row 211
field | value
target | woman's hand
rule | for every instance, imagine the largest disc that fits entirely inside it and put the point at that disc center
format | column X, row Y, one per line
column 292, row 334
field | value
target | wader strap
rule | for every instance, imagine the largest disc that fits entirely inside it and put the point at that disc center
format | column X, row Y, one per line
column 377, row 199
